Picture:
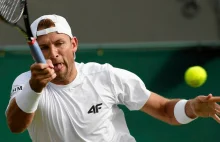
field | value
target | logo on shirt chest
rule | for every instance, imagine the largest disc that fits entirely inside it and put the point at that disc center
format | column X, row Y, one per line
column 95, row 108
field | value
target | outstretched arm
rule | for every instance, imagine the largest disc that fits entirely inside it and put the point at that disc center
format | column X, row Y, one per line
column 163, row 108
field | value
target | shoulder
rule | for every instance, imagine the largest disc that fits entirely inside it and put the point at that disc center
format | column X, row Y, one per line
column 22, row 78
column 92, row 67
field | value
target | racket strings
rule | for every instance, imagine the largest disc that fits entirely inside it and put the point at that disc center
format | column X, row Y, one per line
column 10, row 10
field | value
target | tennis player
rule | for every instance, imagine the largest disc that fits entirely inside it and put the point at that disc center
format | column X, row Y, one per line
column 66, row 101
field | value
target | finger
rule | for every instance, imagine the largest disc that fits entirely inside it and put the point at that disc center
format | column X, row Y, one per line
column 38, row 75
column 214, row 99
column 209, row 96
column 38, row 66
column 43, row 71
column 217, row 106
column 216, row 118
column 48, row 78
column 217, row 112
column 49, row 62
column 47, row 75
column 44, row 79
column 204, row 98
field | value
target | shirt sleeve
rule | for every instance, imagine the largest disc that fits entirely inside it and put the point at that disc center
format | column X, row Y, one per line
column 128, row 88
column 18, row 85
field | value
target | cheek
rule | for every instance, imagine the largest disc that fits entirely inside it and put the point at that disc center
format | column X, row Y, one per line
column 68, row 55
column 71, row 56
column 71, row 50
column 45, row 53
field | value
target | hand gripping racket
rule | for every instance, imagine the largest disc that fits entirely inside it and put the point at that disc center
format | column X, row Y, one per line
column 11, row 12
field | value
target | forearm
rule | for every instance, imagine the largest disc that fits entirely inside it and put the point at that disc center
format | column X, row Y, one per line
column 17, row 119
column 169, row 111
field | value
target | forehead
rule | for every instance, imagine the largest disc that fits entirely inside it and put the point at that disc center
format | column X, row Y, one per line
column 52, row 37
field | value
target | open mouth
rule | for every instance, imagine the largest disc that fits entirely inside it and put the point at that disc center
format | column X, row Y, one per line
column 58, row 66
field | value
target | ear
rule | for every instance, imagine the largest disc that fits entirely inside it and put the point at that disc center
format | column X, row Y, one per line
column 74, row 41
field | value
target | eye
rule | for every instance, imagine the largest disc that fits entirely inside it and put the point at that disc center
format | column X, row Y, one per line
column 44, row 47
column 60, row 43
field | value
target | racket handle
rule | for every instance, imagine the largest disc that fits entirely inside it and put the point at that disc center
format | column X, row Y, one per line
column 36, row 52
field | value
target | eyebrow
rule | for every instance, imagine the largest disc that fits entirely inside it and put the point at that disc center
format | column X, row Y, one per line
column 59, row 40
column 43, row 45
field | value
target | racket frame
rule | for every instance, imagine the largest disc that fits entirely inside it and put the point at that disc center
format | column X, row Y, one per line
column 34, row 47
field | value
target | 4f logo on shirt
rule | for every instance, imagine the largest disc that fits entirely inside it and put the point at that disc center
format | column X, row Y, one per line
column 95, row 108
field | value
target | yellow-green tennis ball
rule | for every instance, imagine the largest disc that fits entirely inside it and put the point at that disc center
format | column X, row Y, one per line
column 195, row 76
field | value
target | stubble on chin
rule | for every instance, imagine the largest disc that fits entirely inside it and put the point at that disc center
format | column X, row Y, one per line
column 62, row 78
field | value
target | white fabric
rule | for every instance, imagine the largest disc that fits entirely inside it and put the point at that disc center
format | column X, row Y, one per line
column 63, row 111
column 180, row 114
column 27, row 100
column 46, row 31
column 61, row 25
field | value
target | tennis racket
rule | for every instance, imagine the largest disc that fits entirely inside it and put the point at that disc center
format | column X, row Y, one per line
column 11, row 11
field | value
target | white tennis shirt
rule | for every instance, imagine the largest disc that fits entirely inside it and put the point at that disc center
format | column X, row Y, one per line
column 86, row 109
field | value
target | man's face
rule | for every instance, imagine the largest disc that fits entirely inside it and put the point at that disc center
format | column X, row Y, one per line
column 60, row 49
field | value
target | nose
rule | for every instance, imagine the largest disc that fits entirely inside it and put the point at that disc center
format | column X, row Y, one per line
column 53, row 52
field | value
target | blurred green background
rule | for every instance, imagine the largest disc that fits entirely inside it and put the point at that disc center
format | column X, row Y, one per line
column 160, row 65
